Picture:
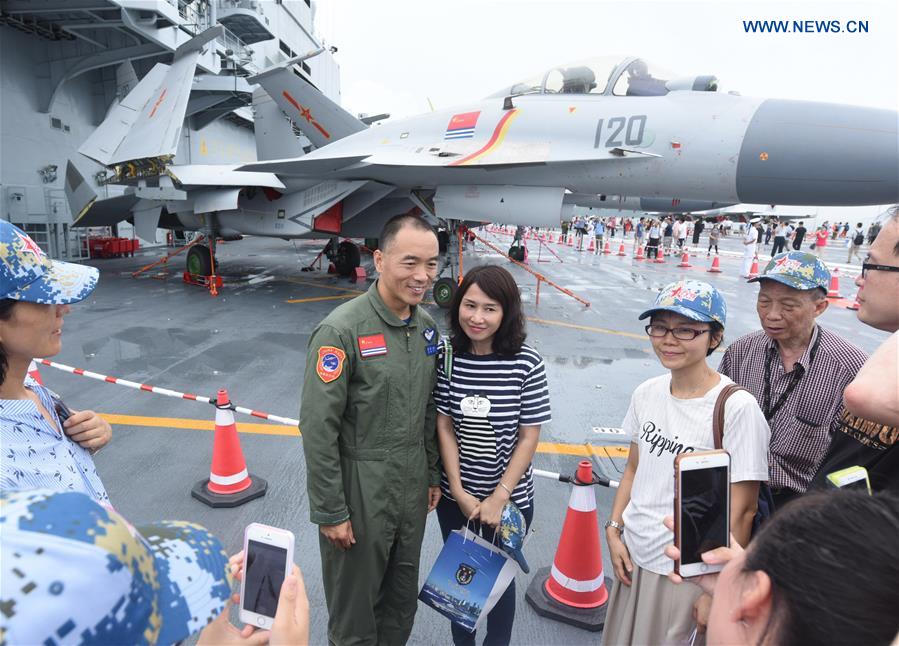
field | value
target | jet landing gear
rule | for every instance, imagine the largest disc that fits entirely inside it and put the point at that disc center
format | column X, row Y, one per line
column 201, row 264
column 346, row 259
column 449, row 242
column 444, row 290
column 199, row 260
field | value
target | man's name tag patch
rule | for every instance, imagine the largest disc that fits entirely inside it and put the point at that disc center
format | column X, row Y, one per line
column 431, row 350
column 330, row 363
column 373, row 345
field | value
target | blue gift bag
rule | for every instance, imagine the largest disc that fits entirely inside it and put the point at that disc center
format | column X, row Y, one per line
column 467, row 580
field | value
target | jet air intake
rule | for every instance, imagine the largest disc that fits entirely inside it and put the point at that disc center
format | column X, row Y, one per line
column 819, row 154
column 531, row 206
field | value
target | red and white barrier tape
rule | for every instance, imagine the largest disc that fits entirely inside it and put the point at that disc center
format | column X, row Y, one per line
column 165, row 391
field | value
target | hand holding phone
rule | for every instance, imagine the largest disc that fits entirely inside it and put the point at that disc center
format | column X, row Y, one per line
column 268, row 559
column 701, row 509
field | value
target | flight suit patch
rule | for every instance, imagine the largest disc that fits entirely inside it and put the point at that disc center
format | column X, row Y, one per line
column 429, row 334
column 431, row 350
column 372, row 345
column 330, row 363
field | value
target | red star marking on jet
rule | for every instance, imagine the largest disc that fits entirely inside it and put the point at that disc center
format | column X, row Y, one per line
column 30, row 245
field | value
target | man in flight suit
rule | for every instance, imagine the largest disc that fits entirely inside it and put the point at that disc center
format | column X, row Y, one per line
column 369, row 436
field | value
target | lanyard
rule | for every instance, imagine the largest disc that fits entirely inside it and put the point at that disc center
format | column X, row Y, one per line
column 447, row 358
column 796, row 376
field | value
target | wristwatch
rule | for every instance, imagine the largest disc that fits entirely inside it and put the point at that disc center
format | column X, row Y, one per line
column 612, row 523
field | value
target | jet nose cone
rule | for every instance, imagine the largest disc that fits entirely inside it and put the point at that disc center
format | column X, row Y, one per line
column 820, row 154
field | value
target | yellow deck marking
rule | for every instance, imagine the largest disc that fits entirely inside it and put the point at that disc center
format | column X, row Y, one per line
column 322, row 286
column 198, row 424
column 315, row 299
column 585, row 450
column 588, row 328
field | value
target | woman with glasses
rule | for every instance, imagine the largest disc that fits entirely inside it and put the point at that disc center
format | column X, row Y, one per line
column 668, row 415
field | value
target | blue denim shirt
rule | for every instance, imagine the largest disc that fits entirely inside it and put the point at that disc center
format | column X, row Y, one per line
column 34, row 454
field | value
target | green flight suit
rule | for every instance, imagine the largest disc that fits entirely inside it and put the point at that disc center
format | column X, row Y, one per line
column 370, row 440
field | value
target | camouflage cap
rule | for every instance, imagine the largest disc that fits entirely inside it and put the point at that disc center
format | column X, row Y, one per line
column 76, row 571
column 691, row 298
column 512, row 530
column 27, row 274
column 798, row 270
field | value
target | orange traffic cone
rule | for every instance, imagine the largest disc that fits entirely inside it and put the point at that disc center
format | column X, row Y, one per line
column 574, row 589
column 834, row 291
column 855, row 304
column 660, row 254
column 33, row 372
column 754, row 270
column 592, row 246
column 639, row 255
column 229, row 484
column 551, row 237
column 685, row 260
column 570, row 240
column 716, row 266
column 621, row 251
column 608, row 248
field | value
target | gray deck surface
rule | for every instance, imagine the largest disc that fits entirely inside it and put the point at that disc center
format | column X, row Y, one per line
column 251, row 341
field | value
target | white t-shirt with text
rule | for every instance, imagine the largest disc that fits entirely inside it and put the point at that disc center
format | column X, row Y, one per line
column 660, row 427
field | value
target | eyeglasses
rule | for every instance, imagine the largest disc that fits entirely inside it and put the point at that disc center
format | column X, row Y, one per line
column 867, row 266
column 682, row 333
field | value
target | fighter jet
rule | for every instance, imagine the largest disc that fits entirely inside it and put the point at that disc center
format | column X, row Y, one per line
column 519, row 156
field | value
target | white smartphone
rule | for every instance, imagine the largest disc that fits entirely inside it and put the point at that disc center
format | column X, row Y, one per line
column 268, row 559
column 701, row 508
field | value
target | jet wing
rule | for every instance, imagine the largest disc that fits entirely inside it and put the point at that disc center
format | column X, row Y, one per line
column 320, row 119
column 222, row 175
column 307, row 166
column 147, row 123
column 105, row 213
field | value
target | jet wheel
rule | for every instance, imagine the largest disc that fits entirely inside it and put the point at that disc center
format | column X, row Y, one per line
column 347, row 258
column 199, row 260
column 444, row 290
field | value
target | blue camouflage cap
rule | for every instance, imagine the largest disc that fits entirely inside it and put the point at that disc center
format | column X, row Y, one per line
column 796, row 269
column 691, row 298
column 27, row 274
column 512, row 530
column 74, row 571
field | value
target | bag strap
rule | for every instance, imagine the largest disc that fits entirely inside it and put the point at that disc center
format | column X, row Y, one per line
column 718, row 413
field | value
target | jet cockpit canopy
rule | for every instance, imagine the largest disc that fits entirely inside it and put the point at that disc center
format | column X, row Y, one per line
column 609, row 75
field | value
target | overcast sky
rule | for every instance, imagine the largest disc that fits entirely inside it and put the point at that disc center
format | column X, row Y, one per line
column 395, row 55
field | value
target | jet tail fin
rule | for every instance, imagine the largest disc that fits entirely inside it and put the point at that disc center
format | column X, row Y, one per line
column 79, row 194
column 275, row 137
column 320, row 119
column 147, row 123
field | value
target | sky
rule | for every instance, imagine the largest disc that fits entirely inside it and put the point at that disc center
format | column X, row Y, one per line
column 402, row 56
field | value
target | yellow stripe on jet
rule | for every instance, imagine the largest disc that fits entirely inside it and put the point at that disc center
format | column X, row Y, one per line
column 495, row 141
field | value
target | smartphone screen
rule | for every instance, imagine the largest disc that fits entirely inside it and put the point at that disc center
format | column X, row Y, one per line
column 704, row 524
column 263, row 576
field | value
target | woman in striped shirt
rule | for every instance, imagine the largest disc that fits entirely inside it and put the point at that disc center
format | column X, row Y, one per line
column 492, row 398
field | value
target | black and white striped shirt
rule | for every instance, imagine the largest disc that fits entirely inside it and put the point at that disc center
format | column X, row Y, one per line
column 488, row 398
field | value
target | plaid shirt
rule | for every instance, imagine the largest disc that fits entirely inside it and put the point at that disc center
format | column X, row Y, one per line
column 802, row 427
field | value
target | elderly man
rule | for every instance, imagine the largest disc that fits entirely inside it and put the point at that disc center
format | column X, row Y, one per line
column 868, row 431
column 796, row 369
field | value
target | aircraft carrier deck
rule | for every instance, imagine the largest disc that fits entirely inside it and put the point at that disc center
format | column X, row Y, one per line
column 252, row 338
